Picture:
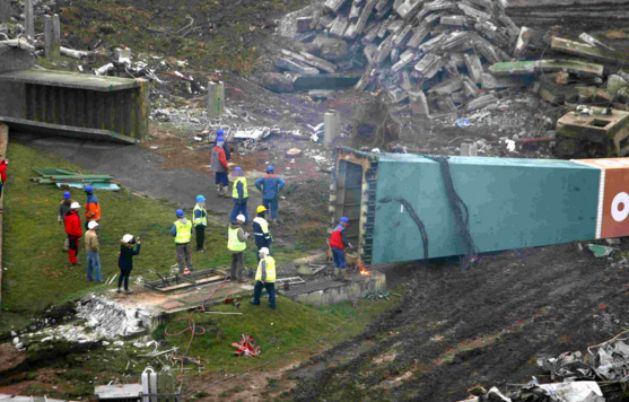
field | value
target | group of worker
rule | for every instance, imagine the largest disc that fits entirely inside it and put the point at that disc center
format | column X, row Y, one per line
column 69, row 216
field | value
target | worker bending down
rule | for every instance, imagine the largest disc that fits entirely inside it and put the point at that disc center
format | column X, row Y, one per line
column 338, row 242
column 265, row 278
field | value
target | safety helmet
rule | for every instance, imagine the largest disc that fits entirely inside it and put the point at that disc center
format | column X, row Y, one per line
column 92, row 224
column 270, row 169
column 200, row 198
column 345, row 220
column 89, row 189
column 220, row 134
column 179, row 213
column 264, row 251
column 67, row 195
column 241, row 218
column 75, row 205
column 128, row 238
column 260, row 209
column 238, row 171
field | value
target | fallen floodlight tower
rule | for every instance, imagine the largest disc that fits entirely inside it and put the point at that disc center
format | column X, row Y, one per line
column 399, row 207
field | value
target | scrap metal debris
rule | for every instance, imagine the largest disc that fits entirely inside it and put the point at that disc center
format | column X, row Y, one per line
column 69, row 179
column 246, row 347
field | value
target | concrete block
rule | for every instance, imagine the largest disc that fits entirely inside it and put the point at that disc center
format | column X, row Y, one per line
column 356, row 287
column 215, row 99
column 29, row 19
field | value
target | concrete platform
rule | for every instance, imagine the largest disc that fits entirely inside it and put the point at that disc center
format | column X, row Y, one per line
column 322, row 291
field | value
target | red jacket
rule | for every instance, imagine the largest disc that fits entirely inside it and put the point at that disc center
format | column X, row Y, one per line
column 3, row 171
column 72, row 223
column 336, row 238
column 222, row 158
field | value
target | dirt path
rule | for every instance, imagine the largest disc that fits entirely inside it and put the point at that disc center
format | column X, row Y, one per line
column 488, row 325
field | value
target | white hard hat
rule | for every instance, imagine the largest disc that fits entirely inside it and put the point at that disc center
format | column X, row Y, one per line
column 265, row 251
column 127, row 238
column 92, row 224
column 75, row 205
column 241, row 218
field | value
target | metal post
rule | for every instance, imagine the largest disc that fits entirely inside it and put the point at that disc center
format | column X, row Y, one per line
column 48, row 36
column 332, row 123
column 215, row 99
column 5, row 10
column 56, row 36
column 29, row 20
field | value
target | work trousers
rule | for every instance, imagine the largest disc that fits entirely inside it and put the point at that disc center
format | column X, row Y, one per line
column 238, row 266
column 240, row 207
column 339, row 258
column 270, row 290
column 200, row 234
column 93, row 266
column 73, row 249
column 273, row 206
column 220, row 178
column 183, row 257
column 124, row 278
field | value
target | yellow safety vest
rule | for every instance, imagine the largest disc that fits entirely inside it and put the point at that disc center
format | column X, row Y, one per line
column 199, row 221
column 270, row 269
column 184, row 232
column 264, row 225
column 233, row 243
column 245, row 190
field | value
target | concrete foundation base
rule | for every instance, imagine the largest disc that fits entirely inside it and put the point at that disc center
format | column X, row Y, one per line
column 328, row 291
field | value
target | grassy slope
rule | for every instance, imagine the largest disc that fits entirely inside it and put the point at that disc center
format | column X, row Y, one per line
column 38, row 274
column 229, row 36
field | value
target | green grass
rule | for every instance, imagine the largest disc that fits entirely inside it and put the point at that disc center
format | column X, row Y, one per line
column 38, row 274
column 291, row 333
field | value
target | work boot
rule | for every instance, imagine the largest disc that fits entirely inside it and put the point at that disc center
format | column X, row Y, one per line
column 219, row 189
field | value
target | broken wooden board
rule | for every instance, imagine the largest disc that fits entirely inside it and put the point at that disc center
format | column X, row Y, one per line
column 586, row 51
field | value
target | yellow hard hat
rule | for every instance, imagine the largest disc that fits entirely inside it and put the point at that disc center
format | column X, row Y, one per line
column 260, row 209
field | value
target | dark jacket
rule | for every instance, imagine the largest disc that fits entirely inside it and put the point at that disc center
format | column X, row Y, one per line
column 127, row 251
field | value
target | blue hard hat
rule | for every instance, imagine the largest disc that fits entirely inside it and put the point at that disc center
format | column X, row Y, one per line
column 270, row 169
column 179, row 213
column 238, row 171
column 200, row 198
column 220, row 135
column 67, row 195
column 345, row 219
column 89, row 189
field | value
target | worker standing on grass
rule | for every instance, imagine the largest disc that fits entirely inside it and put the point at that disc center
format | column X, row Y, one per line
column 199, row 220
column 265, row 278
column 182, row 232
column 129, row 247
column 92, row 207
column 237, row 244
column 270, row 186
column 261, row 230
column 72, row 223
column 338, row 242
column 92, row 247
column 64, row 208
column 4, row 164
column 240, row 195
column 221, row 168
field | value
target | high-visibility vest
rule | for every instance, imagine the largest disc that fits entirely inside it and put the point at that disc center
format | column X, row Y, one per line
column 203, row 219
column 268, row 263
column 184, row 232
column 245, row 191
column 233, row 243
column 264, row 225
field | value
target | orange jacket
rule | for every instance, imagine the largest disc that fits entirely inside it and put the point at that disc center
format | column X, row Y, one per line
column 92, row 211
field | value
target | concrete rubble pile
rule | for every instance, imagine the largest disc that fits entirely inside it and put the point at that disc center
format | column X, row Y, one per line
column 433, row 54
column 109, row 319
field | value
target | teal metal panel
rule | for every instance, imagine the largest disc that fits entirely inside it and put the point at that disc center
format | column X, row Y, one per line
column 513, row 203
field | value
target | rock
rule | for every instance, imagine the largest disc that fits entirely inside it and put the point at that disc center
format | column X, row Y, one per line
column 294, row 152
column 277, row 82
column 329, row 48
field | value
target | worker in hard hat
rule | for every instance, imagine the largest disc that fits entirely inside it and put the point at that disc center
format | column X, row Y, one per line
column 261, row 231
column 237, row 244
column 338, row 242
column 182, row 232
column 129, row 247
column 220, row 138
column 92, row 247
column 240, row 195
column 92, row 207
column 270, row 186
column 72, row 224
column 265, row 278
column 221, row 167
column 199, row 220
column 64, row 207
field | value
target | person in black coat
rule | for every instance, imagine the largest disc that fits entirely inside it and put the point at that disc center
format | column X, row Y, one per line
column 129, row 247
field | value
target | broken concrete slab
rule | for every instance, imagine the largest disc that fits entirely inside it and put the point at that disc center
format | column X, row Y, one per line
column 329, row 48
column 287, row 64
column 324, row 81
column 586, row 51
column 531, row 67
